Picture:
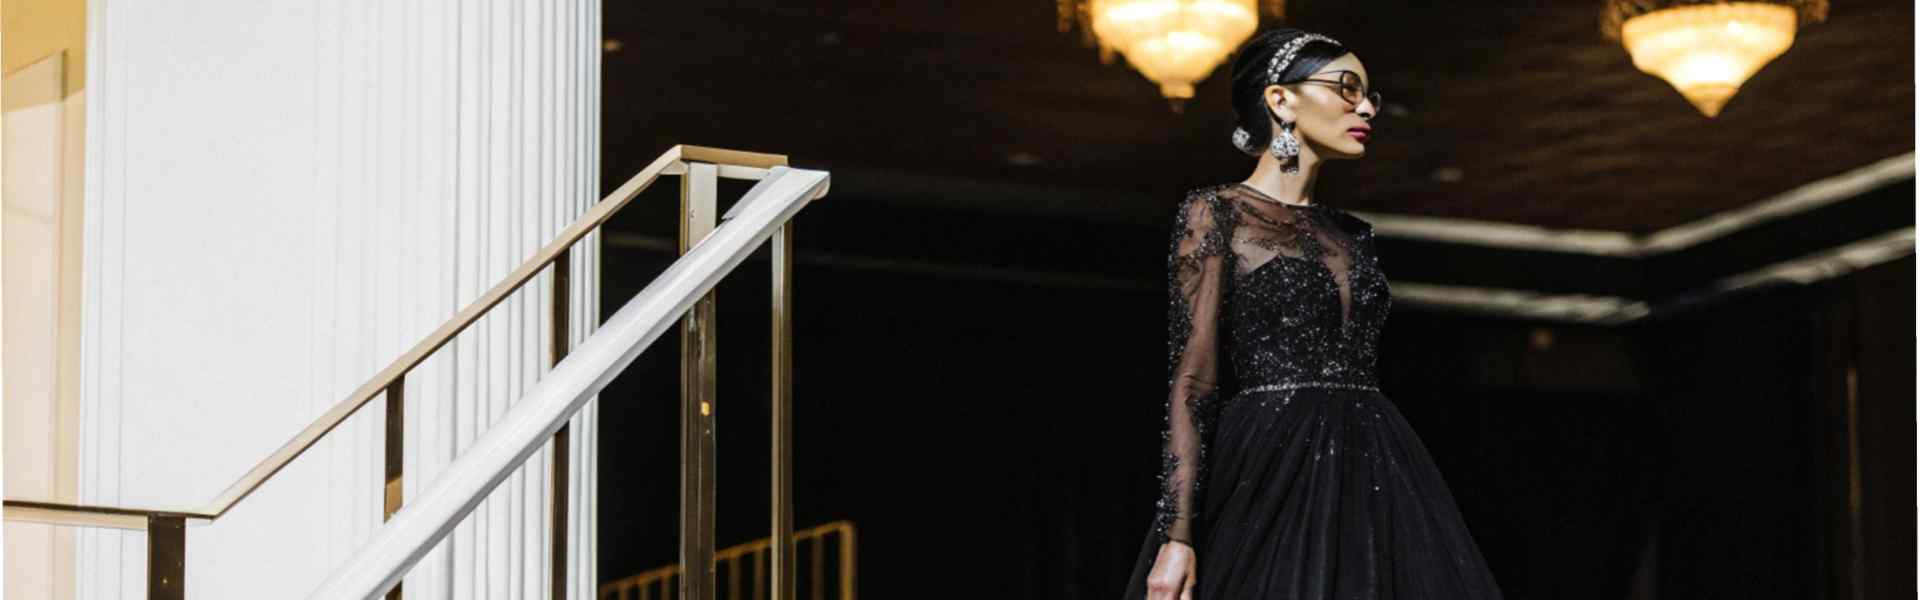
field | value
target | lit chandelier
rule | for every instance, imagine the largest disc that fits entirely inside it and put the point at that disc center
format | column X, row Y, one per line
column 1706, row 48
column 1175, row 43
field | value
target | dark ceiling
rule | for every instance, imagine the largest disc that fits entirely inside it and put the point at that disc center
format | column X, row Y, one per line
column 1547, row 122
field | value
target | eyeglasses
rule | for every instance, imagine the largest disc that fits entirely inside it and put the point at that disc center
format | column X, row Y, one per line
column 1351, row 89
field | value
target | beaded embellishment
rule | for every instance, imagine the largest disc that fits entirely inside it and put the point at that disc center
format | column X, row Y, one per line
column 1306, row 384
column 1284, row 56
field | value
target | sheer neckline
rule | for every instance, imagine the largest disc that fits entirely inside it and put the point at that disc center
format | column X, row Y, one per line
column 1264, row 196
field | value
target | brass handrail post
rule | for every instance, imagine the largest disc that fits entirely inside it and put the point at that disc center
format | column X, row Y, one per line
column 698, row 210
column 562, row 440
column 396, row 454
column 166, row 558
column 847, row 550
column 782, row 413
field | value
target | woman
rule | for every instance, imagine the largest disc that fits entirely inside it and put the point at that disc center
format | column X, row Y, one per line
column 1287, row 474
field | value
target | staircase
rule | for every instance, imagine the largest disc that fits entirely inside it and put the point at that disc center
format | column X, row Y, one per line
column 712, row 245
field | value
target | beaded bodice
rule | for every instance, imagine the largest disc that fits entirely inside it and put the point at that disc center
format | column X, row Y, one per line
column 1307, row 299
column 1284, row 295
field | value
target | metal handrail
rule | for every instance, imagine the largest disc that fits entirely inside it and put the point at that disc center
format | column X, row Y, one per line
column 519, row 434
column 164, row 524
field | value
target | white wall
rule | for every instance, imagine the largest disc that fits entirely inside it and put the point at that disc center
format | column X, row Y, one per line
column 39, row 238
column 281, row 197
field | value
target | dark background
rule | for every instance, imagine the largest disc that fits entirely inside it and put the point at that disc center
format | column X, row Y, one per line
column 1003, row 437
column 979, row 340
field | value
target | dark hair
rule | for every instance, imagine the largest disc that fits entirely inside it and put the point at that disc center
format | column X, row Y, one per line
column 1250, row 78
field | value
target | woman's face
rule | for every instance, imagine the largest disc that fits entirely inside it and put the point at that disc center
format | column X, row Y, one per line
column 1325, row 116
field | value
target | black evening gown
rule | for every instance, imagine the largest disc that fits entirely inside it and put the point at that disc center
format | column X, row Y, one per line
column 1284, row 466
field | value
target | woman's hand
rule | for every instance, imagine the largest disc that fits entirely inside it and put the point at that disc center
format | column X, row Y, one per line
column 1172, row 575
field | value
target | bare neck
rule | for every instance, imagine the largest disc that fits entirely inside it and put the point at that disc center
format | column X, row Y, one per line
column 1293, row 188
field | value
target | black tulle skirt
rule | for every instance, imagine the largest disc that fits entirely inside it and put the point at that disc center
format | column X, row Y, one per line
column 1325, row 494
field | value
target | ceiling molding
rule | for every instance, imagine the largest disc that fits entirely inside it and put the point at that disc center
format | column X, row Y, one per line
column 1526, row 304
column 1811, row 268
column 1616, row 310
column 1614, row 243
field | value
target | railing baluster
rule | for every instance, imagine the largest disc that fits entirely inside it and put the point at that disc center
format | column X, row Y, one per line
column 396, row 457
column 847, row 587
column 698, row 209
column 166, row 558
column 817, row 570
column 733, row 578
column 760, row 575
column 782, row 411
column 562, row 439
column 841, row 532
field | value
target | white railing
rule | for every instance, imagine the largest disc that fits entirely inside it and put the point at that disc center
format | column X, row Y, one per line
column 424, row 521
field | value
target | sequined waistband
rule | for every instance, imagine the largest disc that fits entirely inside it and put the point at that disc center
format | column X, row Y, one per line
column 1306, row 384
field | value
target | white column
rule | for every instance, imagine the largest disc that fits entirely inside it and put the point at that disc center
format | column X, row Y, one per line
column 281, row 198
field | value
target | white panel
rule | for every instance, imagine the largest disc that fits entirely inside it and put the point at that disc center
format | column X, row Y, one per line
column 284, row 195
column 33, row 150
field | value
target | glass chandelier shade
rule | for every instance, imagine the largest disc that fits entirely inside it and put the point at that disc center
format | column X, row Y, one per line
column 1174, row 43
column 1706, row 50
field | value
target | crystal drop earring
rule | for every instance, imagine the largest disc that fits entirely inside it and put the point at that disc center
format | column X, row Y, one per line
column 1286, row 147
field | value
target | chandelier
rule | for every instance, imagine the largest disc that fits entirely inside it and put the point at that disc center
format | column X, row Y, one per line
column 1706, row 48
column 1174, row 43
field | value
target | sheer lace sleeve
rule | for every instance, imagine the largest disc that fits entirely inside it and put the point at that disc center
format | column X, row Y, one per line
column 1198, row 261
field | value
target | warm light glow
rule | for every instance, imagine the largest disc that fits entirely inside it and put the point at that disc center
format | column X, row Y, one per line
column 1175, row 43
column 1707, row 50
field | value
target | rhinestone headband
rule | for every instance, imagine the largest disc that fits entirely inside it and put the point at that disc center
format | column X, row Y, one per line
column 1284, row 56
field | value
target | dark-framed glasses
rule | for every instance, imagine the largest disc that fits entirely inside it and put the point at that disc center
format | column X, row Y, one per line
column 1351, row 89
